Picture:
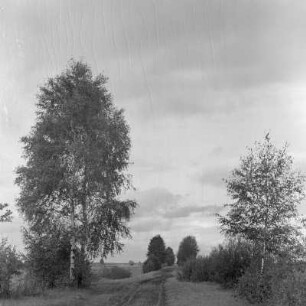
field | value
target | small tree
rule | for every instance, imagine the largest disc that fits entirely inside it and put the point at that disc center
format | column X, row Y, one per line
column 170, row 257
column 188, row 249
column 157, row 248
column 265, row 192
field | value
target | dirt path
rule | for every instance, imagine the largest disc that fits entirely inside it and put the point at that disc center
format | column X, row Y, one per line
column 198, row 294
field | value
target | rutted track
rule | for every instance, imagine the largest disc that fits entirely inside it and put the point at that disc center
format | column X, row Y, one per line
column 149, row 292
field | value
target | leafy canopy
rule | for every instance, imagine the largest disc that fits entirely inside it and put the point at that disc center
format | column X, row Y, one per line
column 157, row 248
column 77, row 155
column 265, row 192
column 188, row 249
column 170, row 257
column 7, row 215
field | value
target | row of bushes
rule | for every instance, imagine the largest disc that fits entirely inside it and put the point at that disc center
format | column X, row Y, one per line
column 225, row 264
column 237, row 264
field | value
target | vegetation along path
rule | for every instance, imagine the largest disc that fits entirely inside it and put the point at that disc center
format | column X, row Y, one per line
column 159, row 288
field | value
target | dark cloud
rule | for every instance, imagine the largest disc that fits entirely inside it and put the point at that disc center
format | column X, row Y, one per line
column 168, row 54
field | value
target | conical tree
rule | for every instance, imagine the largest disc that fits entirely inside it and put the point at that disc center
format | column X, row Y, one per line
column 170, row 257
column 157, row 248
column 188, row 248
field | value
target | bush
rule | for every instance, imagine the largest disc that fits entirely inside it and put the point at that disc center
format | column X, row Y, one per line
column 28, row 285
column 229, row 262
column 116, row 273
column 282, row 283
column 131, row 263
column 151, row 264
column 290, row 290
column 195, row 270
column 10, row 263
column 254, row 286
column 48, row 258
column 225, row 264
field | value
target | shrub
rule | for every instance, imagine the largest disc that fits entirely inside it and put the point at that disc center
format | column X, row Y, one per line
column 289, row 290
column 151, row 264
column 229, row 262
column 282, row 283
column 28, row 285
column 10, row 263
column 254, row 286
column 131, row 263
column 48, row 258
column 116, row 273
column 225, row 264
column 195, row 270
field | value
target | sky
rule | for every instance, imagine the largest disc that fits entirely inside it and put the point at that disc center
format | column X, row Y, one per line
column 199, row 80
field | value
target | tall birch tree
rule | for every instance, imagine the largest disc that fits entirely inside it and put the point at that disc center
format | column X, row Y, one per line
column 77, row 155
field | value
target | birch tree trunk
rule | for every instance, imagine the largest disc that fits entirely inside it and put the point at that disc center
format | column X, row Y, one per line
column 72, row 247
column 263, row 258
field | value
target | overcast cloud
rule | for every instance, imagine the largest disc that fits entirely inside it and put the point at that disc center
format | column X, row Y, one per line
column 199, row 81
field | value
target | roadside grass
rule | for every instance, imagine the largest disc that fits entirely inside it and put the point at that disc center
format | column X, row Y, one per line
column 157, row 288
column 139, row 289
column 182, row 293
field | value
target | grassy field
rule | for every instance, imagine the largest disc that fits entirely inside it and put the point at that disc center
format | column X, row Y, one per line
column 158, row 288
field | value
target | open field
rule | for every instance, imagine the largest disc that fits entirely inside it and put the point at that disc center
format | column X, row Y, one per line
column 158, row 288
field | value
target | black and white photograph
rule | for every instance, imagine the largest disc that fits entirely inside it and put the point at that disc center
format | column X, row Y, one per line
column 152, row 153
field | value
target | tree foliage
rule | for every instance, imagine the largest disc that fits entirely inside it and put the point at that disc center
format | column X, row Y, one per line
column 170, row 257
column 10, row 264
column 77, row 155
column 188, row 249
column 157, row 248
column 152, row 263
column 7, row 215
column 265, row 192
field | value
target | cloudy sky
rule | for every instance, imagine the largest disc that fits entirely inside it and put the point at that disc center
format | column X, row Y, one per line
column 199, row 81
